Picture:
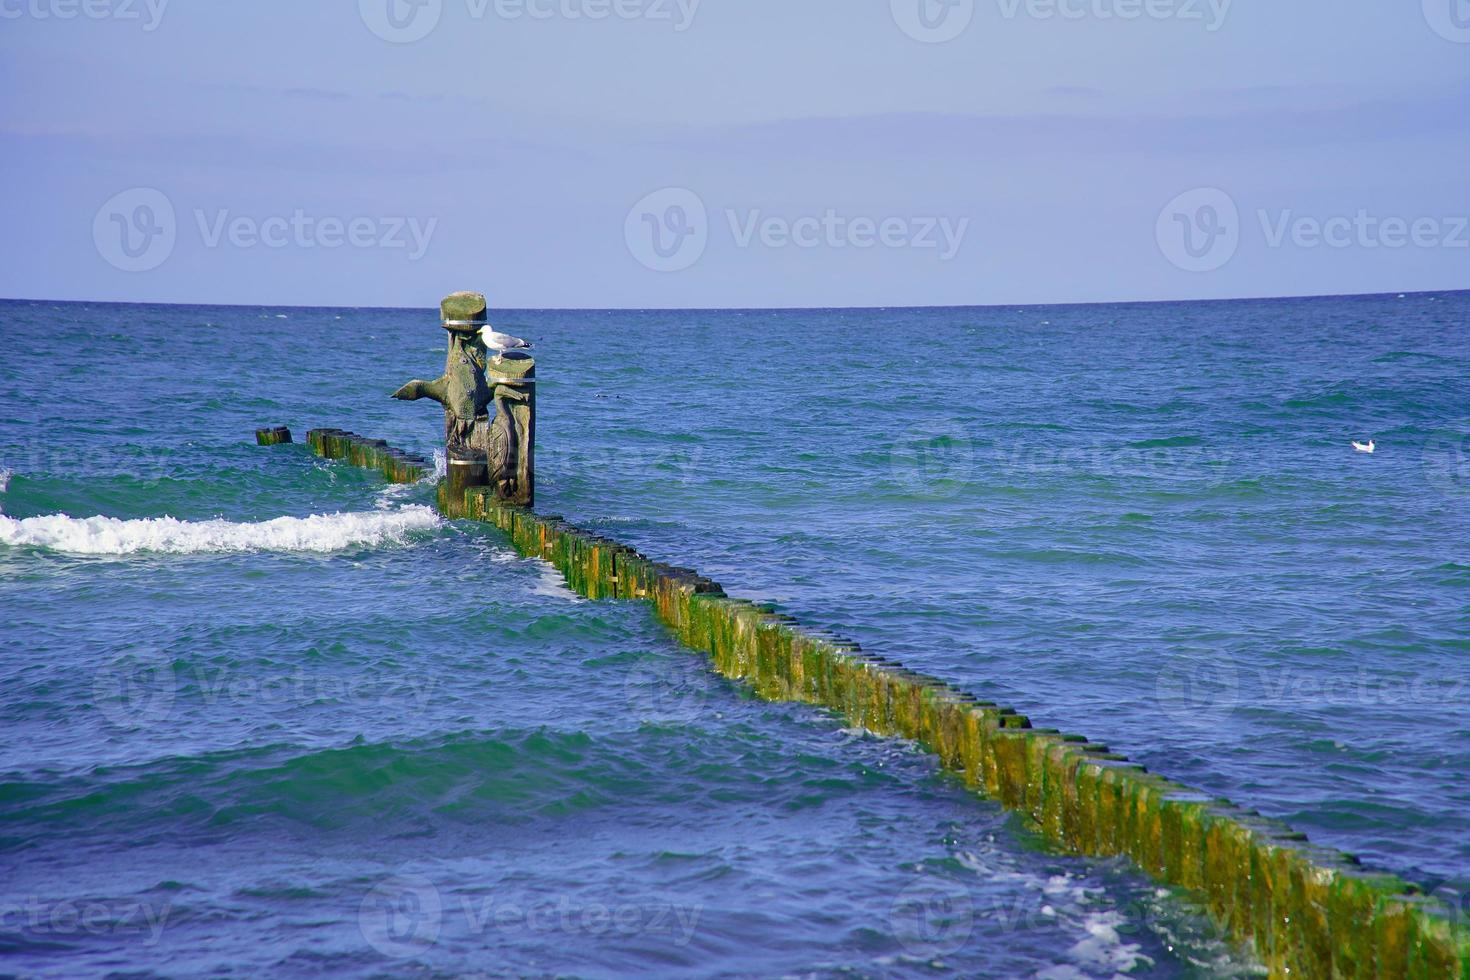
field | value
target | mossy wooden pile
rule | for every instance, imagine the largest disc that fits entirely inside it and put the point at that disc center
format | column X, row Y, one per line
column 1305, row 910
column 275, row 436
column 374, row 454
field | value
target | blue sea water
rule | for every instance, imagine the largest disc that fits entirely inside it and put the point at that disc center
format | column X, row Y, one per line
column 305, row 727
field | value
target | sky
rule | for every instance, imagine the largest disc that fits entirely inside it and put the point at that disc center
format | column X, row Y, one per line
column 732, row 153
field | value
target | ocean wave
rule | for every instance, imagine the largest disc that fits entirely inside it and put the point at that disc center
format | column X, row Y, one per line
column 114, row 536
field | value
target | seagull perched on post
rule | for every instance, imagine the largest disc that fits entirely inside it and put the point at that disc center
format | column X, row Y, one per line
column 1364, row 447
column 499, row 342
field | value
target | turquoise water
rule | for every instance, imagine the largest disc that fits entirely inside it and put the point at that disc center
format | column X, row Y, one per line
column 363, row 741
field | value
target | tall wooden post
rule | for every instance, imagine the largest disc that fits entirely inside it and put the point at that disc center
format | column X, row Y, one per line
column 511, row 446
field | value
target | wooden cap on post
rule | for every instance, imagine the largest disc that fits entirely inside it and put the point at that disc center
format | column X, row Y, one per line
column 463, row 312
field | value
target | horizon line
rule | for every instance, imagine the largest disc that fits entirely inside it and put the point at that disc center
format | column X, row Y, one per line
column 1393, row 294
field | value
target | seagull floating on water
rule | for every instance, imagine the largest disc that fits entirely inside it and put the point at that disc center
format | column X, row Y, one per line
column 500, row 342
column 1364, row 447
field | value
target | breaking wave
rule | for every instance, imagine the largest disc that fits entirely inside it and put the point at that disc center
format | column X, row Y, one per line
column 113, row 536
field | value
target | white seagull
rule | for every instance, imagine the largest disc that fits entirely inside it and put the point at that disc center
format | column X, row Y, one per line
column 500, row 342
column 1364, row 447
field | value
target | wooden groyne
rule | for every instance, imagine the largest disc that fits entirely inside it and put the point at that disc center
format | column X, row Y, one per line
column 277, row 435
column 1305, row 910
column 396, row 465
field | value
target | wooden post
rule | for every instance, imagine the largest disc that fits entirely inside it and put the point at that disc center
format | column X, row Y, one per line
column 463, row 471
column 276, row 436
column 511, row 446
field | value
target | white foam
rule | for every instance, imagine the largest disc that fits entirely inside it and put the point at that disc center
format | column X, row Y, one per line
column 1103, row 949
column 318, row 533
column 386, row 498
column 4, row 479
column 550, row 583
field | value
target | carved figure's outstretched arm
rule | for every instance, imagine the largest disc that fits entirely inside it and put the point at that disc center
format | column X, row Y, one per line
column 415, row 390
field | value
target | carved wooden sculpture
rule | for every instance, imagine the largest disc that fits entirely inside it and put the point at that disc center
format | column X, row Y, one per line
column 476, row 451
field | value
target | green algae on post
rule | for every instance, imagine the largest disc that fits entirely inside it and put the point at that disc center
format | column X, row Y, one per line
column 396, row 465
column 275, row 436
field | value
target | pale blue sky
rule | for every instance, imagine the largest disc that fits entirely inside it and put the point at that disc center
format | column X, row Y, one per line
column 827, row 147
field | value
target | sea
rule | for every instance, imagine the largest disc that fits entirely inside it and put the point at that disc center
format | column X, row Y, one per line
column 266, row 715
